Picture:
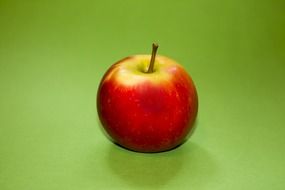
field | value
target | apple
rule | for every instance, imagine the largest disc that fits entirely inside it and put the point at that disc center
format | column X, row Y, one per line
column 147, row 103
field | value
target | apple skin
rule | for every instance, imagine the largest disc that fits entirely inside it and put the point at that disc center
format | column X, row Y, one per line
column 147, row 112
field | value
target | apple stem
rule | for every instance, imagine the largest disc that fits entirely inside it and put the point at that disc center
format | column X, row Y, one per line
column 153, row 54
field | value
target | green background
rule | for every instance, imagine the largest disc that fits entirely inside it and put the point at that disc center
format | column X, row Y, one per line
column 54, row 53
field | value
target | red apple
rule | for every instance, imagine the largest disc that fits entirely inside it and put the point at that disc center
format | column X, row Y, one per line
column 147, row 103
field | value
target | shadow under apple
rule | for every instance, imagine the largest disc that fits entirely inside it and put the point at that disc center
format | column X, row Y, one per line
column 153, row 170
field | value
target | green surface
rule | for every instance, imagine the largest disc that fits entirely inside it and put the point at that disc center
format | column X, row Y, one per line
column 53, row 54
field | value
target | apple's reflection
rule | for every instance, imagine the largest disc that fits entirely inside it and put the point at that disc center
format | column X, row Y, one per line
column 154, row 170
